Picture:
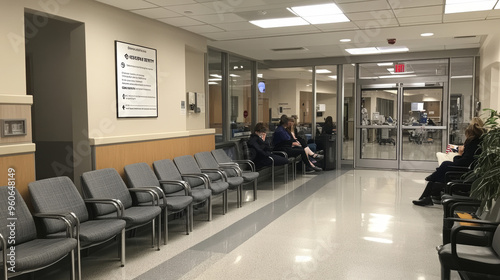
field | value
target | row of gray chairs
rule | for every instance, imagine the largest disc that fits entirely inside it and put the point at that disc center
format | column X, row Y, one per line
column 172, row 187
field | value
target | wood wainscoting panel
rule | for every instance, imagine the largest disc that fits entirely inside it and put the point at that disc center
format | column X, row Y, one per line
column 24, row 165
column 117, row 156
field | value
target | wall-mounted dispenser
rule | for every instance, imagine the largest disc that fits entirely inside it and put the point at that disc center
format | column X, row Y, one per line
column 192, row 98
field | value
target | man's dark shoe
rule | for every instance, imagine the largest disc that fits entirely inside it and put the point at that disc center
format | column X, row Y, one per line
column 425, row 201
column 309, row 170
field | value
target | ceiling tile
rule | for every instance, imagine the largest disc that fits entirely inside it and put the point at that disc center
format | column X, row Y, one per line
column 419, row 11
column 192, row 9
column 382, row 14
column 156, row 13
column 165, row 3
column 420, row 20
column 202, row 29
column 180, row 21
column 219, row 18
column 400, row 4
column 266, row 14
column 128, row 4
column 494, row 14
column 370, row 24
column 373, row 5
column 237, row 26
column 337, row 26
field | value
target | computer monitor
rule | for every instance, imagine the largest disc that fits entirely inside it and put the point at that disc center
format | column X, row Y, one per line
column 417, row 106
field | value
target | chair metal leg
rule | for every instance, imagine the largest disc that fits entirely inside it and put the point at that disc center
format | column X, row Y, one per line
column 121, row 248
column 78, row 260
column 255, row 189
column 158, row 238
column 73, row 273
column 224, row 202
column 303, row 169
column 209, row 205
column 187, row 220
column 191, row 223
column 445, row 273
column 272, row 175
column 165, row 226
column 152, row 233
column 240, row 196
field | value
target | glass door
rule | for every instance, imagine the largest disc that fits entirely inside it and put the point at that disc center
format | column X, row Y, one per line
column 401, row 126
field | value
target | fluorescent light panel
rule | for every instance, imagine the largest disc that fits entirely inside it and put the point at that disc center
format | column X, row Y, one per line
column 376, row 50
column 312, row 14
column 462, row 6
column 385, row 64
column 279, row 22
column 322, row 71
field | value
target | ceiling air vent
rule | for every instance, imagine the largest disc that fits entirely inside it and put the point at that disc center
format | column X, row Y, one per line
column 290, row 49
column 464, row 37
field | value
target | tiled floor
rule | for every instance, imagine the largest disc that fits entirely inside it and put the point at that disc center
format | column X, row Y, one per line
column 347, row 224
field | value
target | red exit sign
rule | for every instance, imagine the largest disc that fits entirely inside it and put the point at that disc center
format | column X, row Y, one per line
column 399, row 68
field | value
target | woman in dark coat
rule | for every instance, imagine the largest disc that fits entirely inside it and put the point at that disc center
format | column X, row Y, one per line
column 261, row 150
column 465, row 158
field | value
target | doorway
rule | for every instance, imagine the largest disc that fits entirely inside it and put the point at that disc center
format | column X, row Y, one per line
column 403, row 122
column 56, row 78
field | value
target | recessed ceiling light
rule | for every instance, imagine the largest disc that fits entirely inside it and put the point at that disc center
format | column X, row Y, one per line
column 461, row 6
column 279, row 22
column 384, row 64
column 333, row 77
column 461, row 77
column 320, row 14
column 392, row 49
column 345, row 40
column 427, row 34
column 212, row 83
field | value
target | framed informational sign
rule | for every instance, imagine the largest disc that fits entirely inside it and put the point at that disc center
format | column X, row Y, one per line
column 136, row 81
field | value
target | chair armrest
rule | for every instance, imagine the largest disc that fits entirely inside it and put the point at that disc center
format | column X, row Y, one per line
column 280, row 153
column 488, row 226
column 454, row 206
column 201, row 176
column 214, row 170
column 67, row 218
column 236, row 168
column 184, row 184
column 120, row 209
column 248, row 162
column 151, row 191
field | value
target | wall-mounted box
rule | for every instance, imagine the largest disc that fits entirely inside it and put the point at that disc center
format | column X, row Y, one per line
column 13, row 127
column 320, row 107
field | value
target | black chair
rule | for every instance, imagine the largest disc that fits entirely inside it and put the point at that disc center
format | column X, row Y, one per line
column 484, row 260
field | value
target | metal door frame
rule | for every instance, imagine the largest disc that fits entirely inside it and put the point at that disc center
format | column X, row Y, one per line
column 399, row 84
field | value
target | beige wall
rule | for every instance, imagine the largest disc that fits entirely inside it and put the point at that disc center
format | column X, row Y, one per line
column 490, row 72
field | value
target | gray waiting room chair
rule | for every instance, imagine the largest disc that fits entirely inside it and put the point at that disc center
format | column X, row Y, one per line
column 207, row 163
column 107, row 184
column 31, row 253
column 59, row 194
column 141, row 175
column 232, row 168
column 174, row 184
column 187, row 166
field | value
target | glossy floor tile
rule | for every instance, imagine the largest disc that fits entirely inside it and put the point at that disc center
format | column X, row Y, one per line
column 346, row 224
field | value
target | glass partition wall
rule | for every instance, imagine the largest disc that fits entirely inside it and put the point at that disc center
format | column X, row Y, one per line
column 382, row 115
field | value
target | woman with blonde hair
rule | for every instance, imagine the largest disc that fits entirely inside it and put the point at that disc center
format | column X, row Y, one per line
column 464, row 158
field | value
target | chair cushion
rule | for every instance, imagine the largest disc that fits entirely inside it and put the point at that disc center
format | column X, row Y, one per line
column 484, row 255
column 136, row 215
column 219, row 187
column 96, row 231
column 174, row 203
column 234, row 181
column 249, row 176
column 41, row 252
